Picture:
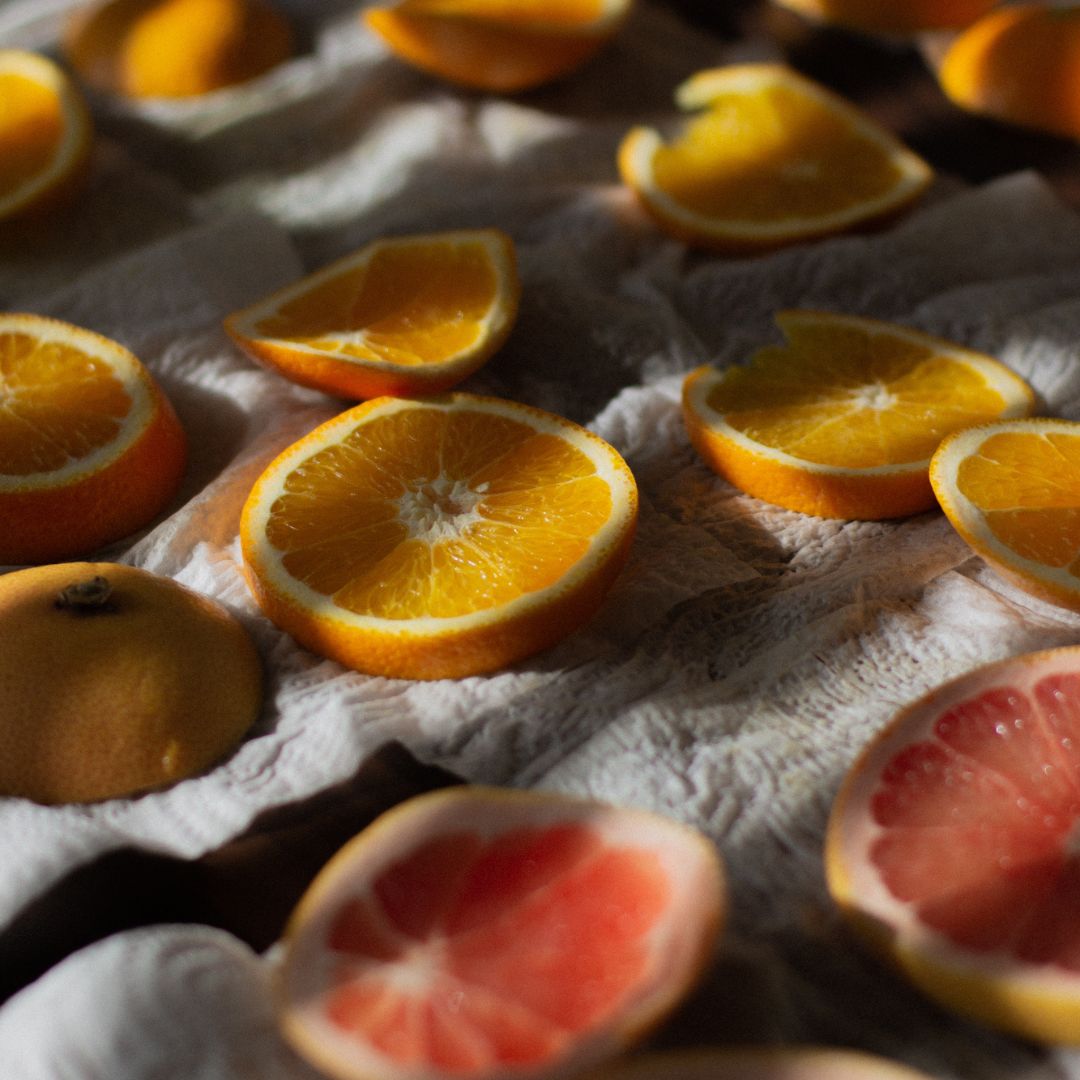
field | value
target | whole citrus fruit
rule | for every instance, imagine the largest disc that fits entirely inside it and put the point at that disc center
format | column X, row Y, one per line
column 114, row 680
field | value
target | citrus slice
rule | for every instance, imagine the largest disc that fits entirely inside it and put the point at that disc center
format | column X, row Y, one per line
column 404, row 315
column 46, row 134
column 493, row 933
column 90, row 448
column 116, row 681
column 952, row 844
column 1010, row 490
column 773, row 158
column 842, row 419
column 757, row 1063
column 175, row 48
column 503, row 46
column 899, row 17
column 438, row 537
column 1019, row 64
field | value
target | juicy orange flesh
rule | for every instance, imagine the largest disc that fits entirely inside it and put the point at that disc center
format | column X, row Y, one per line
column 429, row 512
column 31, row 127
column 843, row 397
column 469, row 953
column 414, row 304
column 511, row 12
column 981, row 819
column 57, row 404
column 1028, row 488
column 770, row 155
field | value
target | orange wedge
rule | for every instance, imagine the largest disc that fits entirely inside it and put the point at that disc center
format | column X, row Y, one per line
column 1019, row 64
column 440, row 537
column 490, row 933
column 503, row 46
column 951, row 847
column 772, row 158
column 90, row 448
column 1010, row 490
column 899, row 17
column 46, row 134
column 405, row 315
column 843, row 418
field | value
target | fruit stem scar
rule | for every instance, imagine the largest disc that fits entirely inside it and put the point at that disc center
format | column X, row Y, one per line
column 89, row 597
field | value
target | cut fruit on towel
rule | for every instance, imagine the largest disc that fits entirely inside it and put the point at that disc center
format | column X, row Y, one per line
column 842, row 419
column 406, row 315
column 438, row 537
column 488, row 932
column 771, row 158
column 952, row 844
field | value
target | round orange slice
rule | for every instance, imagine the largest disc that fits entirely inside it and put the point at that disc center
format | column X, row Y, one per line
column 46, row 134
column 503, row 46
column 90, row 448
column 401, row 316
column 899, row 17
column 952, row 844
column 487, row 932
column 842, row 419
column 439, row 537
column 1010, row 490
column 771, row 158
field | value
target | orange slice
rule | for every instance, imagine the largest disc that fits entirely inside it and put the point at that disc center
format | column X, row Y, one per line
column 90, row 448
column 843, row 418
column 503, row 46
column 405, row 315
column 438, row 537
column 46, row 134
column 952, row 844
column 1010, row 490
column 900, row 17
column 175, row 48
column 772, row 159
column 485, row 932
column 1020, row 64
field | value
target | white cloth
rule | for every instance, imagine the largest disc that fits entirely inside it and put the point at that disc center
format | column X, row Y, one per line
column 745, row 654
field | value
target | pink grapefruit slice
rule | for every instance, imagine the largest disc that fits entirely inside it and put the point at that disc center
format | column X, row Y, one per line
column 952, row 846
column 487, row 932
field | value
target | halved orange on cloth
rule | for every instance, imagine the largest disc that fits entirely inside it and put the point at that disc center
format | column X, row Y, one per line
column 403, row 315
column 841, row 419
column 91, row 449
column 489, row 932
column 438, row 537
column 892, row 17
column 1010, row 490
column 46, row 134
column 503, row 46
column 770, row 158
column 951, row 847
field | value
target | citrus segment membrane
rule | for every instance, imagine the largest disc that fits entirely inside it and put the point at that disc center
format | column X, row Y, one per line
column 952, row 843
column 484, row 931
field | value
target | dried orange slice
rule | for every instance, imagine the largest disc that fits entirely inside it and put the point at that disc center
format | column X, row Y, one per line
column 773, row 158
column 503, row 46
column 175, row 48
column 900, row 17
column 486, row 932
column 403, row 315
column 90, row 448
column 439, row 537
column 843, row 418
column 952, row 844
column 46, row 134
column 1010, row 490
column 1020, row 64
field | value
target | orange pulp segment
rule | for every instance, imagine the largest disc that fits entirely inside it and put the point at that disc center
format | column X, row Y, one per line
column 403, row 315
column 842, row 419
column 771, row 158
column 483, row 931
column 438, row 537
column 951, row 846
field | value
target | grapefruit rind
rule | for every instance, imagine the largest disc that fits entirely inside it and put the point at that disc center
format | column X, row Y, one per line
column 681, row 945
column 1033, row 1001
